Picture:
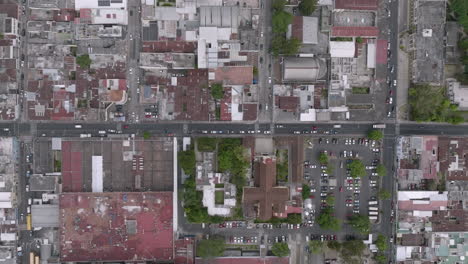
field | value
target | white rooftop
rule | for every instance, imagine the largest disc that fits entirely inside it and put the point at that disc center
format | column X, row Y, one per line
column 417, row 195
column 119, row 4
column 342, row 49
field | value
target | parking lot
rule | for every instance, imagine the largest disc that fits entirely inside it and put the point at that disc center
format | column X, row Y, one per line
column 351, row 195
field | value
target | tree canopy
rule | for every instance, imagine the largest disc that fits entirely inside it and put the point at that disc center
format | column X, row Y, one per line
column 357, row 168
column 206, row 144
column 187, row 161
column 209, row 248
column 430, row 104
column 327, row 221
column 305, row 191
column 375, row 134
column 384, row 194
column 278, row 5
column 231, row 158
column 333, row 244
column 315, row 246
column 217, row 91
column 146, row 135
column 380, row 258
column 307, row 7
column 381, row 170
column 280, row 21
column 280, row 249
column 84, row 61
column 381, row 242
column 361, row 223
column 323, row 158
column 330, row 200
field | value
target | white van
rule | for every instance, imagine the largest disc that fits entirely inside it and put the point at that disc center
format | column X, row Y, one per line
column 78, row 126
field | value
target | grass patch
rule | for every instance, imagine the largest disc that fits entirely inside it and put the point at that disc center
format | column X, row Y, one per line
column 360, row 90
column 430, row 104
column 219, row 197
column 282, row 165
column 206, row 144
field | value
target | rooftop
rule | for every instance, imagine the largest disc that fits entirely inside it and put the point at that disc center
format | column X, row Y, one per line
column 116, row 226
column 303, row 69
column 356, row 4
column 266, row 198
column 428, row 64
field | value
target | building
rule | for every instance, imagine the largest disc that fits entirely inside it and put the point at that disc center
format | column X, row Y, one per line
column 305, row 29
column 342, row 49
column 356, row 4
column 303, row 69
column 45, row 215
column 427, row 42
column 264, row 200
column 458, row 94
column 116, row 226
column 422, row 200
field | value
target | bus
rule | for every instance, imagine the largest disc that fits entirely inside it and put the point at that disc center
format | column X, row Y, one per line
column 31, row 258
column 28, row 222
column 36, row 260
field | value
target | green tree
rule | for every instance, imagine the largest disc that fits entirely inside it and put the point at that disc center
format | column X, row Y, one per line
column 352, row 248
column 327, row 221
column 381, row 170
column 84, row 61
column 330, row 169
column 333, row 244
column 187, row 161
column 307, row 7
column 381, row 242
column 323, row 158
column 217, row 91
column 294, row 219
column 281, row 45
column 375, row 134
column 380, row 258
column 280, row 249
column 463, row 44
column 330, row 200
column 315, row 246
column 206, row 144
column 2, row 36
column 359, row 40
column 280, row 21
column 305, row 191
column 357, row 169
column 278, row 5
column 209, row 248
column 361, row 223
column 146, row 135
column 384, row 194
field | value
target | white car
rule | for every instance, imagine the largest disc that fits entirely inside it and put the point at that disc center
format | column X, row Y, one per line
column 313, row 166
column 242, row 132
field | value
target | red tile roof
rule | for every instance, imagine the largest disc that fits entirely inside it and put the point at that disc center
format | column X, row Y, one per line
column 429, row 206
column 381, row 51
column 116, row 226
column 269, row 198
column 250, row 111
column 355, row 31
column 235, row 75
column 10, row 9
column 289, row 103
column 169, row 46
column 356, row 4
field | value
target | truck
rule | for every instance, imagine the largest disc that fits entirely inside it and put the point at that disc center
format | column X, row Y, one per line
column 373, row 213
column 336, row 126
column 371, row 208
column 373, row 202
column 379, row 126
column 85, row 135
column 373, row 218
